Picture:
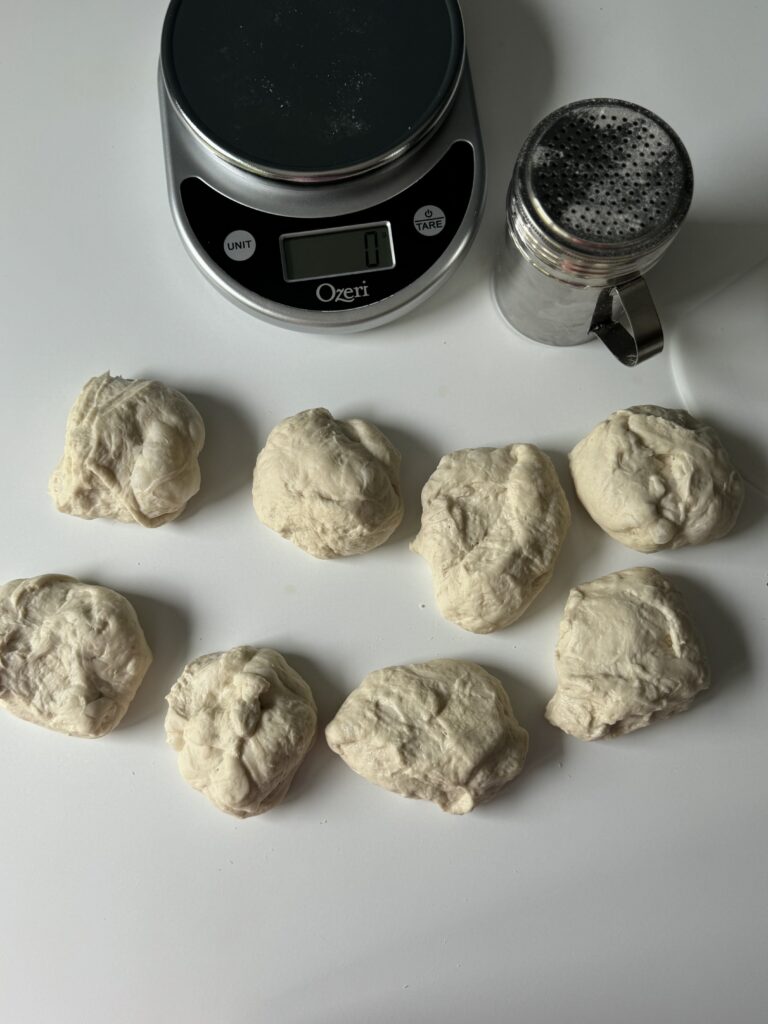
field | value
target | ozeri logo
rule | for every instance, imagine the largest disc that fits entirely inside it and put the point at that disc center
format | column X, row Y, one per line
column 327, row 292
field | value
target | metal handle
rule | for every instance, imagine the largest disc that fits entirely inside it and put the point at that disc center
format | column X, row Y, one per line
column 644, row 338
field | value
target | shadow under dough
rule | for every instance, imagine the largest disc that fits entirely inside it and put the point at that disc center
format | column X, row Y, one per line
column 418, row 463
column 749, row 457
column 320, row 760
column 167, row 630
column 580, row 548
column 722, row 635
column 229, row 454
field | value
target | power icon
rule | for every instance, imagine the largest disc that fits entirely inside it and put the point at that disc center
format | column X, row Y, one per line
column 429, row 220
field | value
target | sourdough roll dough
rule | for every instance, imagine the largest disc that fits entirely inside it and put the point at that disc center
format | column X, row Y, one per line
column 627, row 654
column 72, row 655
column 443, row 731
column 492, row 524
column 657, row 478
column 242, row 722
column 330, row 486
column 130, row 453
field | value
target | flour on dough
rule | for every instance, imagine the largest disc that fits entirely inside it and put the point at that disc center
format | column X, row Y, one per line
column 657, row 478
column 627, row 655
column 443, row 731
column 71, row 655
column 242, row 722
column 492, row 525
column 330, row 486
column 130, row 453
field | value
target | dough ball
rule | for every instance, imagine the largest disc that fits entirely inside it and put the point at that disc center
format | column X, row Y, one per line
column 657, row 478
column 242, row 723
column 492, row 524
column 130, row 453
column 330, row 486
column 627, row 654
column 72, row 656
column 442, row 731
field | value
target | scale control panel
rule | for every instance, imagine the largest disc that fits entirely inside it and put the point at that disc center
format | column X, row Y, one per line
column 337, row 262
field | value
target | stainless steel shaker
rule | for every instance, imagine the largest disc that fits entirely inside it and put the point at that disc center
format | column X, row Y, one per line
column 599, row 191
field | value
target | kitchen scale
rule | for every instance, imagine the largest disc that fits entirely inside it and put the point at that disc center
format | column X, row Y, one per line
column 324, row 159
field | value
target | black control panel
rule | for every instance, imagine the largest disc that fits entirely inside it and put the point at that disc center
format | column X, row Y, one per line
column 249, row 245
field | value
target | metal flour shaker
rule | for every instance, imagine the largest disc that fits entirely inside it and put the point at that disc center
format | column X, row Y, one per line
column 599, row 190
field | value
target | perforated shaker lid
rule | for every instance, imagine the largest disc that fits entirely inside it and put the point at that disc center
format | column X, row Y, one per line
column 307, row 90
column 605, row 176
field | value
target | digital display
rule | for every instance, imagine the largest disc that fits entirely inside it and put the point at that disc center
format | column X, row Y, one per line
column 356, row 250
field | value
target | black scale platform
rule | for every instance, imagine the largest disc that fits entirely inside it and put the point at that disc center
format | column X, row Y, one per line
column 312, row 88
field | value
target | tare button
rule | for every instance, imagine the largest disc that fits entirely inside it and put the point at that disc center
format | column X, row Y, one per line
column 429, row 220
column 239, row 245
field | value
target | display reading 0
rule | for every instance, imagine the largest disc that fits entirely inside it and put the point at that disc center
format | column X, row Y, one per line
column 335, row 253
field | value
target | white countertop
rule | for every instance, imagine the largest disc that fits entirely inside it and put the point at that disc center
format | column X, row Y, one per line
column 623, row 881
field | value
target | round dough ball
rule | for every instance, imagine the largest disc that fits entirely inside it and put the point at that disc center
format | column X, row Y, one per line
column 492, row 525
column 130, row 453
column 627, row 654
column 242, row 723
column 330, row 486
column 72, row 655
column 442, row 731
column 657, row 478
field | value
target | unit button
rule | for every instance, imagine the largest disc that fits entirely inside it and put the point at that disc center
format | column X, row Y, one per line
column 429, row 220
column 240, row 245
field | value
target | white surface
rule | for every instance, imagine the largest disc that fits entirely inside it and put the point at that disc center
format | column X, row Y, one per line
column 721, row 365
column 623, row 881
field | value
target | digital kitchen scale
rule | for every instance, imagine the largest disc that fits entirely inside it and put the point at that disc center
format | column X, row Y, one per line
column 324, row 159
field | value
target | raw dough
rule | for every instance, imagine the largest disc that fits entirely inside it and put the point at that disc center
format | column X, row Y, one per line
column 492, row 525
column 130, row 453
column 442, row 731
column 657, row 478
column 330, row 486
column 242, row 722
column 627, row 654
column 72, row 655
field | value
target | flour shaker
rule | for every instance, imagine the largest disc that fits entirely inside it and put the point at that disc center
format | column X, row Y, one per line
column 599, row 190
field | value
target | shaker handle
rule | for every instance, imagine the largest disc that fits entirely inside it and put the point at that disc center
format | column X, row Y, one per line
column 644, row 338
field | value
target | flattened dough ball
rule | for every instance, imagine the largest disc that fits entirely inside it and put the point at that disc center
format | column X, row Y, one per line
column 242, row 722
column 493, row 521
column 627, row 655
column 130, row 453
column 330, row 486
column 657, row 478
column 443, row 731
column 72, row 655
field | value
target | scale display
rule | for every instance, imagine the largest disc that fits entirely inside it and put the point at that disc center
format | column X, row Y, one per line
column 336, row 253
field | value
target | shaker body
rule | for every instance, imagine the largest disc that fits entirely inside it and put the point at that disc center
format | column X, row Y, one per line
column 598, row 192
column 539, row 305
